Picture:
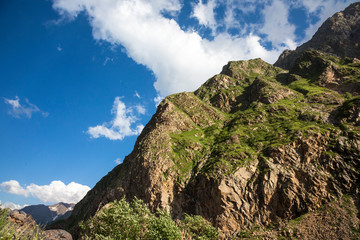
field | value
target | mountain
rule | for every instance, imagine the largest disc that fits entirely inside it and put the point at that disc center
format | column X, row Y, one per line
column 257, row 151
column 338, row 35
column 44, row 215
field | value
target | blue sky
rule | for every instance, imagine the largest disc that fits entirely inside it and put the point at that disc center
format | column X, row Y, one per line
column 80, row 78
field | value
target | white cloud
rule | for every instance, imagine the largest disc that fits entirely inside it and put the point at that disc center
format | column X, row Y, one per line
column 137, row 95
column 56, row 191
column 277, row 26
column 12, row 206
column 140, row 109
column 204, row 13
column 107, row 60
column 121, row 126
column 14, row 187
column 181, row 60
column 59, row 48
column 158, row 100
column 118, row 161
column 19, row 110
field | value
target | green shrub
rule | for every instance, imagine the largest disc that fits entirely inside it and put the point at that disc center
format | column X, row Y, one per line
column 123, row 220
column 199, row 229
column 163, row 227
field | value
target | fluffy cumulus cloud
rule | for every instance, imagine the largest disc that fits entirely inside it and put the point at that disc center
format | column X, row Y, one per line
column 18, row 110
column 122, row 124
column 181, row 57
column 56, row 191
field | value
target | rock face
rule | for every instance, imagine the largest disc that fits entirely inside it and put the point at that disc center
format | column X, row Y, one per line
column 339, row 35
column 44, row 215
column 256, row 145
column 21, row 219
column 57, row 234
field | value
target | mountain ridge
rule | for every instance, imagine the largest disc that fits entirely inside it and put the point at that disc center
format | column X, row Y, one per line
column 338, row 35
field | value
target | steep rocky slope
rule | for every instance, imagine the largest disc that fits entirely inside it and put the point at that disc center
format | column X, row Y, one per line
column 254, row 146
column 339, row 35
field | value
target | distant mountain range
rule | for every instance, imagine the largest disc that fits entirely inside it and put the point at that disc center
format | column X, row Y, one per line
column 44, row 215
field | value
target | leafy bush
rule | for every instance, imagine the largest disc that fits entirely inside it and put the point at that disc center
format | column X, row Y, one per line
column 199, row 229
column 123, row 220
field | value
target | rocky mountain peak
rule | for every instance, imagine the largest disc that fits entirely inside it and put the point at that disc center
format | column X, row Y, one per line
column 338, row 35
column 253, row 145
column 256, row 146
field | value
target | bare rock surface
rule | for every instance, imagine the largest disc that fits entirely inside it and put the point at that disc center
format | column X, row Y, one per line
column 57, row 234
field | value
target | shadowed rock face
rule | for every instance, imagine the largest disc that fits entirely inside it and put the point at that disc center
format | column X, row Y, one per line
column 338, row 35
column 255, row 145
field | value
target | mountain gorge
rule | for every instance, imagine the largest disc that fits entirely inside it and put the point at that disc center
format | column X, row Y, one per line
column 255, row 146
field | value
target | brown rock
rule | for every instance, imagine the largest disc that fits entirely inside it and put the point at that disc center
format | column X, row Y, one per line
column 57, row 234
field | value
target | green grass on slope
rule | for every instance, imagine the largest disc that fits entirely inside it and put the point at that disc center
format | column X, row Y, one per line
column 245, row 134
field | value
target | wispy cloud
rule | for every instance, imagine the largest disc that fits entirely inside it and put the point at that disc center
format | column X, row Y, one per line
column 56, row 191
column 122, row 124
column 204, row 13
column 19, row 110
column 140, row 109
column 118, row 161
column 107, row 60
column 137, row 95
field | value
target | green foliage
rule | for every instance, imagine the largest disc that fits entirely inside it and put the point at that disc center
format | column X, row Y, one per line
column 163, row 227
column 199, row 229
column 123, row 220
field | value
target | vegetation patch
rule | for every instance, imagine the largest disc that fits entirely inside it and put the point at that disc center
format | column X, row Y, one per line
column 122, row 220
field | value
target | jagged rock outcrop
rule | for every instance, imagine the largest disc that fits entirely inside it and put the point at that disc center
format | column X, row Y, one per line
column 21, row 219
column 25, row 227
column 338, row 35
